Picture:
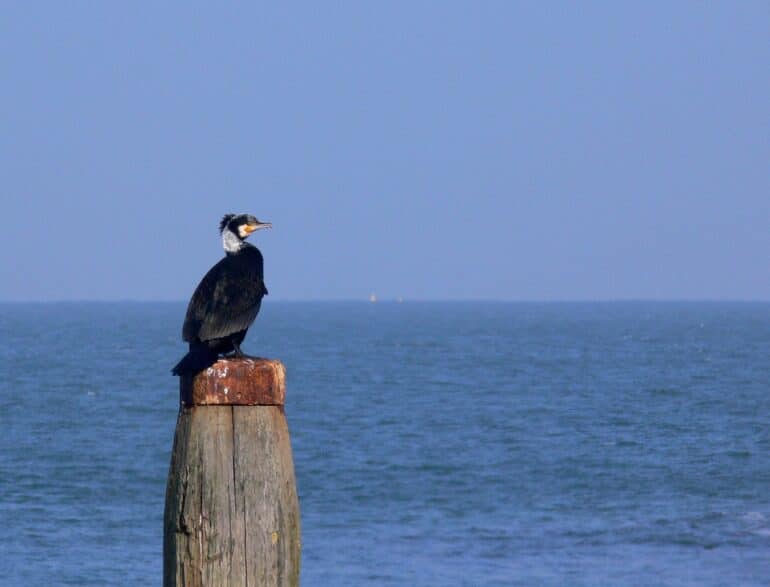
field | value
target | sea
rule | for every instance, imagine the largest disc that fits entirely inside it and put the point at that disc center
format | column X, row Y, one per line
column 435, row 443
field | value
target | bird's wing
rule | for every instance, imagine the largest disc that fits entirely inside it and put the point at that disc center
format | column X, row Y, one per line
column 222, row 306
column 233, row 309
column 200, row 303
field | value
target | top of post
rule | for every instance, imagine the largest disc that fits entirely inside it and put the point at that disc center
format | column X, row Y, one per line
column 245, row 381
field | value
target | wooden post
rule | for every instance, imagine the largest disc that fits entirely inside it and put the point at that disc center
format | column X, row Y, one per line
column 232, row 514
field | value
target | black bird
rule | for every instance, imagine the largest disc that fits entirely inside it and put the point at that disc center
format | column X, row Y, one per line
column 227, row 300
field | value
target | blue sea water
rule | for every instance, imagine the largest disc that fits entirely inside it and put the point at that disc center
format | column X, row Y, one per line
column 434, row 443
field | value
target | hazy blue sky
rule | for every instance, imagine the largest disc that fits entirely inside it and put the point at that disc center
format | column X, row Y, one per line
column 501, row 150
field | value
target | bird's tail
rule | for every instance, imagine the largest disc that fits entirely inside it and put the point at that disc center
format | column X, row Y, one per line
column 197, row 359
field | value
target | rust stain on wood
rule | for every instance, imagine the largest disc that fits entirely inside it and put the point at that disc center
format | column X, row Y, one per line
column 236, row 382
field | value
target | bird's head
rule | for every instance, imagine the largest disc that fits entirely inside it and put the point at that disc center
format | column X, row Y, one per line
column 235, row 228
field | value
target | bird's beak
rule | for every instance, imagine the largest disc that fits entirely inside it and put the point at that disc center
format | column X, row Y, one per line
column 256, row 226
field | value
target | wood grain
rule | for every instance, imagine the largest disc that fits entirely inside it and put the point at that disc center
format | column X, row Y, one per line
column 232, row 513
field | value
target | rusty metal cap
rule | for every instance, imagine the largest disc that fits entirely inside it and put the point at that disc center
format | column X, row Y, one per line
column 236, row 382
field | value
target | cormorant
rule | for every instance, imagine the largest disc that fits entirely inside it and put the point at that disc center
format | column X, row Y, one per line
column 227, row 299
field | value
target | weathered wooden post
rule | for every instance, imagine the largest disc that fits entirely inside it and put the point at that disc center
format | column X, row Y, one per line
column 232, row 514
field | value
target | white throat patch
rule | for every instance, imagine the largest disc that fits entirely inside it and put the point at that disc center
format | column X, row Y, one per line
column 231, row 242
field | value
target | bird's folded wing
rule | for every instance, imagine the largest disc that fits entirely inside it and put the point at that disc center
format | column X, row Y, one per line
column 221, row 306
column 232, row 309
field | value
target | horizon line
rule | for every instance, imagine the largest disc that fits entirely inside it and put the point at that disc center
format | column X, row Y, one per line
column 399, row 300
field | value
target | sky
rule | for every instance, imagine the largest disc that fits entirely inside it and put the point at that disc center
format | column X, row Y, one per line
column 424, row 150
